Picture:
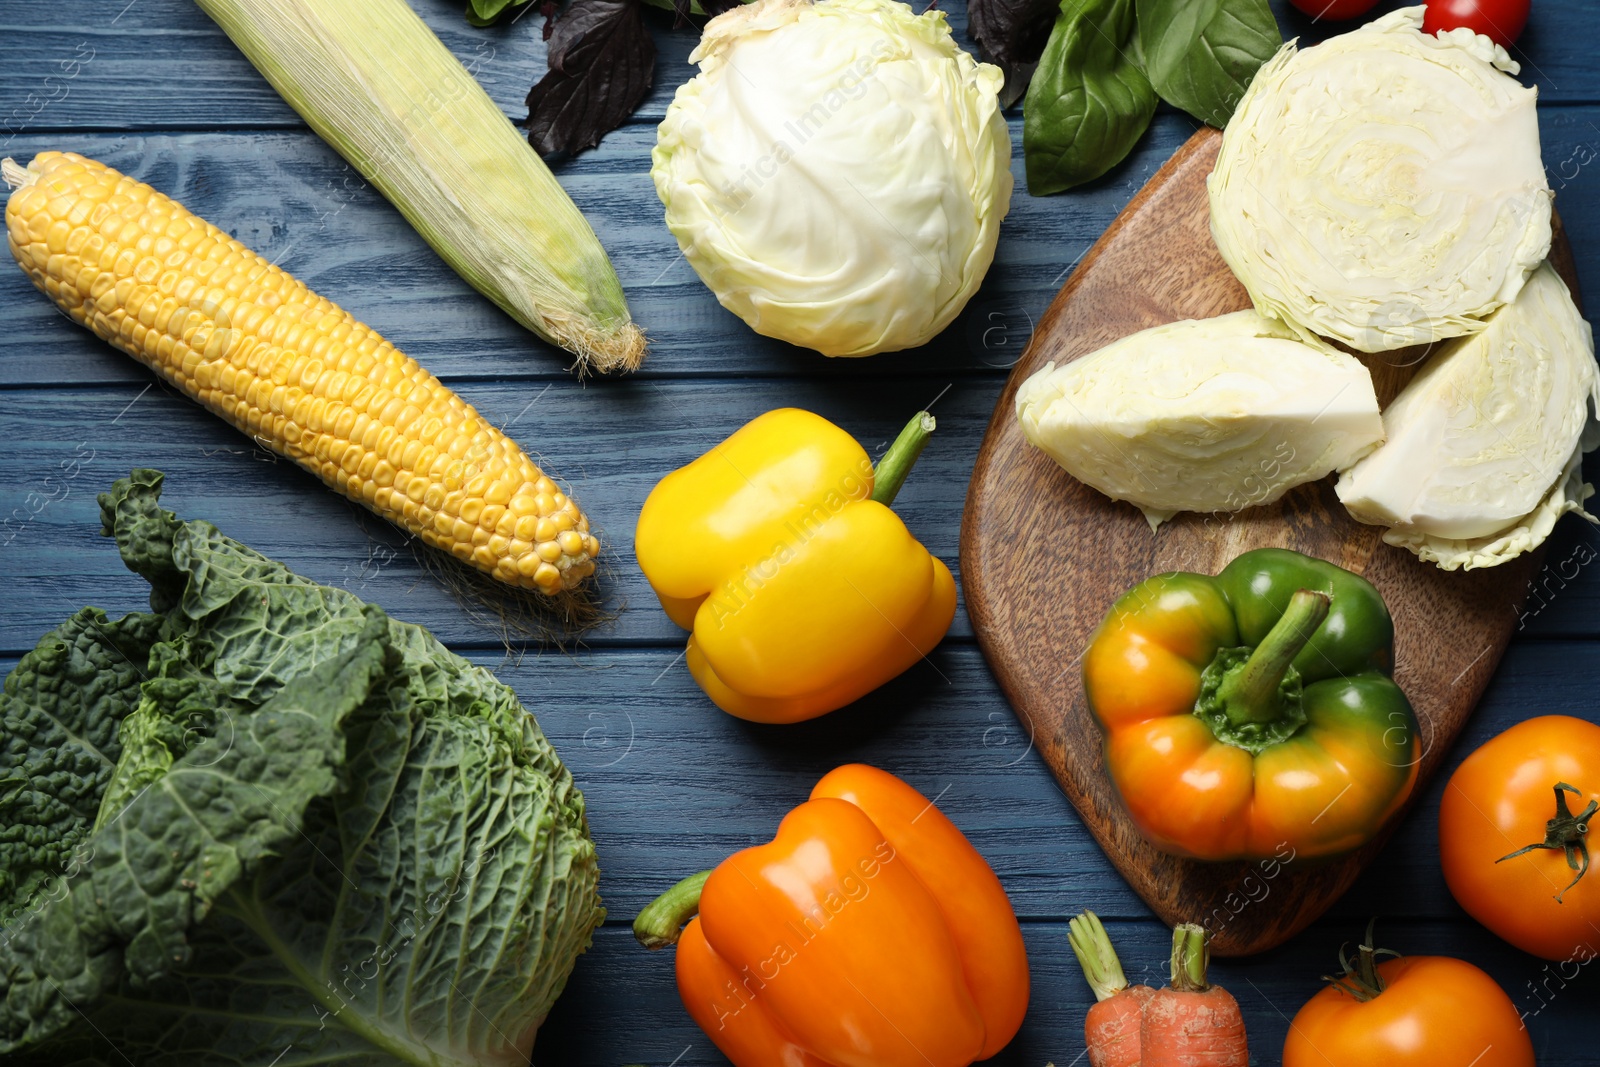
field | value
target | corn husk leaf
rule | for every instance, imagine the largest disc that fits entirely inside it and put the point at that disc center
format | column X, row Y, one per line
column 375, row 83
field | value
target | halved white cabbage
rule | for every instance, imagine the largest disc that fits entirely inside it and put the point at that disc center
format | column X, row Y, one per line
column 1385, row 187
column 1204, row 415
column 1484, row 444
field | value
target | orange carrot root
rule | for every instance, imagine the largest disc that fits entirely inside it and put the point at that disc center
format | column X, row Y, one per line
column 1192, row 1023
column 1112, row 1026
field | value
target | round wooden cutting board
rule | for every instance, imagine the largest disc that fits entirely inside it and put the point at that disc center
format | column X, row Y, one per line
column 1043, row 556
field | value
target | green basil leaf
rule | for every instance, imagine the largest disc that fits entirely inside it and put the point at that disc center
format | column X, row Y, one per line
column 1201, row 55
column 1089, row 102
column 485, row 12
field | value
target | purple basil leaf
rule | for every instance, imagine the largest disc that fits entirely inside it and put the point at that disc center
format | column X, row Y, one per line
column 601, row 62
column 548, row 10
column 1012, row 34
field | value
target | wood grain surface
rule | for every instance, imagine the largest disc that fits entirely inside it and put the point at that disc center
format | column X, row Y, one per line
column 1044, row 556
column 672, row 784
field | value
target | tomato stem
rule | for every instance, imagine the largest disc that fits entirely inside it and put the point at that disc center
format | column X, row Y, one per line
column 896, row 463
column 1361, row 978
column 1567, row 832
column 661, row 922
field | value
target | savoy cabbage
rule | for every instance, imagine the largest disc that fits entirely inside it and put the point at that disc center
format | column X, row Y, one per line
column 265, row 824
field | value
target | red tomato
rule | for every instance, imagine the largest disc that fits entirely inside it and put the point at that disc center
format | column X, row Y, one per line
column 1334, row 10
column 1501, row 799
column 1500, row 20
column 1433, row 1011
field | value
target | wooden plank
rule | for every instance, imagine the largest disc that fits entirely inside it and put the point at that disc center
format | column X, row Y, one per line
column 292, row 199
column 593, row 1025
column 674, row 786
column 110, row 82
column 611, row 440
column 288, row 195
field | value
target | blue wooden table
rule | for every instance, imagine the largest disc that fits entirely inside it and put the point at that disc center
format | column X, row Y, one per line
column 153, row 88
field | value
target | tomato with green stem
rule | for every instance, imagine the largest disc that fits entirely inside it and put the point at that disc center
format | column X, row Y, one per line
column 1515, row 836
column 1408, row 1011
column 1501, row 21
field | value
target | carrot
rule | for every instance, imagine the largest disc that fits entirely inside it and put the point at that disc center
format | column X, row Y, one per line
column 1191, row 1023
column 1112, row 1026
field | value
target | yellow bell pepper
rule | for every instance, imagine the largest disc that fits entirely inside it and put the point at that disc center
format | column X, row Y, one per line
column 802, row 590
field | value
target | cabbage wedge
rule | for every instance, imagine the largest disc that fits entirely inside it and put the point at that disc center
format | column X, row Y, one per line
column 1205, row 415
column 1385, row 187
column 1485, row 444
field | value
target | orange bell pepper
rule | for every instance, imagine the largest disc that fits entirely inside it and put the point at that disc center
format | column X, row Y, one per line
column 868, row 933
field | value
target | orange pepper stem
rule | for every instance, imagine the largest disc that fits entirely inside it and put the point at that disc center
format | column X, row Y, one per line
column 1253, row 693
column 890, row 473
column 1567, row 832
column 661, row 922
column 1190, row 956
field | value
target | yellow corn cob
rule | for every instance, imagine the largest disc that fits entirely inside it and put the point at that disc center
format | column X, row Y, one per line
column 289, row 368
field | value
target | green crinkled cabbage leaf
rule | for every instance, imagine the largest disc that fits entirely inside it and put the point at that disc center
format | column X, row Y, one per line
column 268, row 825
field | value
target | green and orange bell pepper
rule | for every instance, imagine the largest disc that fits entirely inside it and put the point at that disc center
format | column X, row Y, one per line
column 868, row 932
column 1253, row 710
column 777, row 549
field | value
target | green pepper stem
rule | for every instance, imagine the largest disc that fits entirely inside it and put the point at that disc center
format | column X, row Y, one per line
column 1567, row 832
column 1190, row 955
column 661, row 922
column 1092, row 945
column 1251, row 695
column 896, row 463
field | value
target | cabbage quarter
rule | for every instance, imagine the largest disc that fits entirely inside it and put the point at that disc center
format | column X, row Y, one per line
column 1205, row 415
column 1485, row 444
column 1384, row 188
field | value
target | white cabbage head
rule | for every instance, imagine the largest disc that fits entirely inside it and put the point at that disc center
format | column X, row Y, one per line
column 1484, row 444
column 1211, row 415
column 837, row 172
column 1383, row 188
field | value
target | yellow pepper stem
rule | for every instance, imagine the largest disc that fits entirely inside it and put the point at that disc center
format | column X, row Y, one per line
column 896, row 463
column 661, row 922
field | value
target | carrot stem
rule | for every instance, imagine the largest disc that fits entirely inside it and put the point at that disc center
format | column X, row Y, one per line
column 1190, row 955
column 1092, row 945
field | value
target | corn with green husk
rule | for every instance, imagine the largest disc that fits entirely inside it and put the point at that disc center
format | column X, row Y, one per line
column 377, row 85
